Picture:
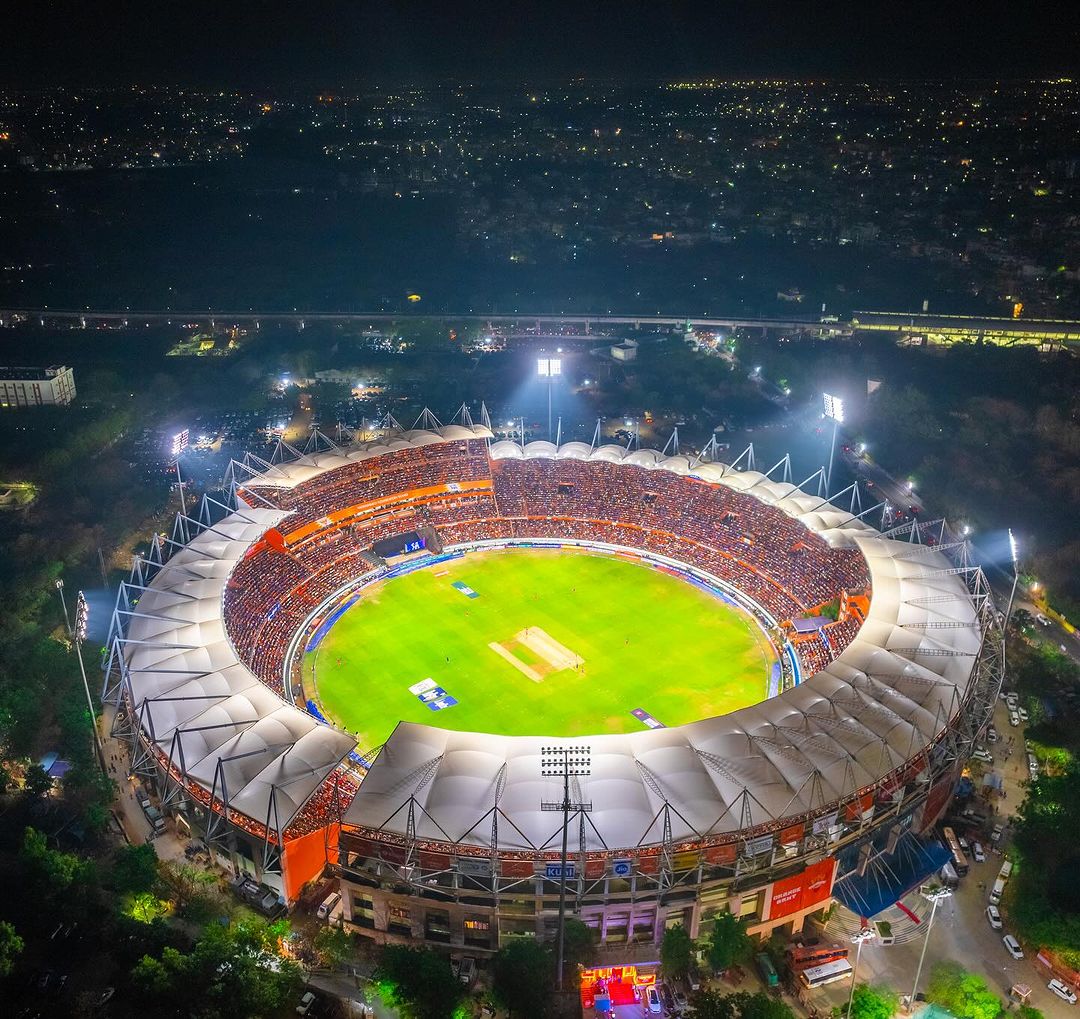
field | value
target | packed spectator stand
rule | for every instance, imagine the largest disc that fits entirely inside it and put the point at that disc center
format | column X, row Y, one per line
column 770, row 557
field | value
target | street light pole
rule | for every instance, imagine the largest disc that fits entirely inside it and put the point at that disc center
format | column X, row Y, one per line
column 564, row 762
column 934, row 898
column 859, row 940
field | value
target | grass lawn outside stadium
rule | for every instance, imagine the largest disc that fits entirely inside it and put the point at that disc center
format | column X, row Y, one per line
column 554, row 643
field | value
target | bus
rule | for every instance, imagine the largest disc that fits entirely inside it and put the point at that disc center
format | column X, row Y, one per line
column 959, row 858
column 827, row 973
column 808, row 956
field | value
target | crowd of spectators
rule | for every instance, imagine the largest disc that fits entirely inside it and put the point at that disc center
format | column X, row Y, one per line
column 403, row 470
column 326, row 804
column 757, row 548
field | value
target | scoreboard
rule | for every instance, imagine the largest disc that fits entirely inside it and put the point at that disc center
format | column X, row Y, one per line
column 398, row 545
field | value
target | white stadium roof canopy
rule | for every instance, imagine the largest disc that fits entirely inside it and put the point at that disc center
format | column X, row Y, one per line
column 886, row 697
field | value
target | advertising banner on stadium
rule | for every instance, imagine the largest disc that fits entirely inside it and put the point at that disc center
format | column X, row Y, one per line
column 475, row 866
column 721, row 856
column 936, row 799
column 791, row 836
column 648, row 864
column 434, row 861
column 760, row 846
column 685, row 861
column 517, row 868
column 595, row 868
column 801, row 891
column 824, row 825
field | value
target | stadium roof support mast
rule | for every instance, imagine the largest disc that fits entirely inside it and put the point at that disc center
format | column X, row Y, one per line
column 564, row 762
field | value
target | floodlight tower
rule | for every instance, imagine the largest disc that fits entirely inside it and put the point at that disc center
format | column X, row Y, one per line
column 77, row 633
column 1015, row 553
column 549, row 372
column 564, row 762
column 834, row 408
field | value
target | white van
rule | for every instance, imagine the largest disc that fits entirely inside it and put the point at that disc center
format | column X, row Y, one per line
column 996, row 891
column 328, row 905
column 1006, row 870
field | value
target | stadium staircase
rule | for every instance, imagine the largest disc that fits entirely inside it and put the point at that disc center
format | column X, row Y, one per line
column 905, row 922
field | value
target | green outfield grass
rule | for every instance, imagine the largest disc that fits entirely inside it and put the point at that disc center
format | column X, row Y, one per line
column 648, row 640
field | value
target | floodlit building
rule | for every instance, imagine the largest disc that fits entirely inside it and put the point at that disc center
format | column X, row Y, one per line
column 37, row 387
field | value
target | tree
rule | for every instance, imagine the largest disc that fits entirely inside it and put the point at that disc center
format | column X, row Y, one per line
column 676, row 951
column 37, row 782
column 523, row 976
column 729, row 942
column 964, row 994
column 235, row 969
column 740, row 1005
column 10, row 947
column 134, row 869
column 183, row 883
column 333, row 945
column 418, row 982
column 706, row 1004
column 579, row 948
column 869, row 1002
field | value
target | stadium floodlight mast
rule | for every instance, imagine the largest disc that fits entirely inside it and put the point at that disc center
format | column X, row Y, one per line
column 564, row 762
column 549, row 371
column 77, row 633
column 935, row 896
column 834, row 408
column 858, row 940
column 1014, row 551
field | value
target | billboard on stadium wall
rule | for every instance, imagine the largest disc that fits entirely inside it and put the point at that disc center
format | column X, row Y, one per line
column 517, row 868
column 434, row 861
column 595, row 868
column 811, row 887
column 790, row 836
column 722, row 856
column 936, row 800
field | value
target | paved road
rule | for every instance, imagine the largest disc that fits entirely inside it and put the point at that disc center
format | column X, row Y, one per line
column 961, row 931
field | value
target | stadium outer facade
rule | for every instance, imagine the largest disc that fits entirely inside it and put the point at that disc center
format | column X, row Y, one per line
column 445, row 839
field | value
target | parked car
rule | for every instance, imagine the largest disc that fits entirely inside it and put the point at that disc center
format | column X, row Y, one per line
column 1062, row 990
column 652, row 1001
column 995, row 835
column 1014, row 719
column 667, row 999
column 1012, row 946
column 993, row 917
column 305, row 1003
column 977, row 852
column 1042, row 619
column 467, row 972
column 1022, row 712
column 984, row 755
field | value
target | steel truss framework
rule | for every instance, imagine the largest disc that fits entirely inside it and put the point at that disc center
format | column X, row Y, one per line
column 666, row 838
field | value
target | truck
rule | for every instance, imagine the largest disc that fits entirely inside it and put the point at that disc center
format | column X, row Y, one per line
column 997, row 891
column 155, row 817
column 1006, row 870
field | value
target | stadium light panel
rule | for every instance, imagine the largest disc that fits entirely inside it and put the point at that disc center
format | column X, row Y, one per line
column 549, row 367
column 834, row 408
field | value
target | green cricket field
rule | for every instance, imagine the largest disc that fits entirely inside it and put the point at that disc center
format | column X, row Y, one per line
column 535, row 642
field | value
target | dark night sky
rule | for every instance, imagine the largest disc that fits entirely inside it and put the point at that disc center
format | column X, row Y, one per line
column 278, row 44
